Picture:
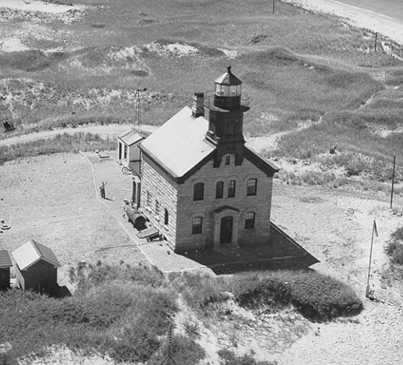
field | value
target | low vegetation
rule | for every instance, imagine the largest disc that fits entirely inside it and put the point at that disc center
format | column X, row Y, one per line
column 60, row 143
column 122, row 312
column 315, row 296
column 125, row 312
column 294, row 73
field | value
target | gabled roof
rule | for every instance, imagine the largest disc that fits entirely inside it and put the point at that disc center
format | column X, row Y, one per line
column 31, row 252
column 130, row 137
column 179, row 147
column 179, row 144
column 5, row 260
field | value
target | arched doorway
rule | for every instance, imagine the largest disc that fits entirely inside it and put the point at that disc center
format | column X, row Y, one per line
column 226, row 228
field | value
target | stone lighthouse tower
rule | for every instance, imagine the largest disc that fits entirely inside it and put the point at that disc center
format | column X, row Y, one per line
column 226, row 111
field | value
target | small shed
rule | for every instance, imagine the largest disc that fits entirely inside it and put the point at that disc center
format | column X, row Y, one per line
column 5, row 265
column 129, row 151
column 36, row 268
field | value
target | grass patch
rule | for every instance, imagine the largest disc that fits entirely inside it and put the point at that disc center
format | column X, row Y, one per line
column 60, row 143
column 31, row 60
column 282, row 79
column 394, row 77
column 116, row 316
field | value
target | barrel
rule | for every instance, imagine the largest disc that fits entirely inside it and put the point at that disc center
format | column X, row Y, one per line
column 136, row 218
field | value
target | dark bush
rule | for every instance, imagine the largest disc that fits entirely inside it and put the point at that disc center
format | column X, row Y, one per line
column 319, row 297
column 315, row 296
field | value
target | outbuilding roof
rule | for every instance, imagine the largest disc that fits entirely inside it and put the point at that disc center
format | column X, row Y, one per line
column 5, row 260
column 179, row 144
column 31, row 252
column 130, row 137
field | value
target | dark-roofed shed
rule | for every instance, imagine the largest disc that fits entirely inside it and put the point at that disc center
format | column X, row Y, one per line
column 36, row 268
column 5, row 265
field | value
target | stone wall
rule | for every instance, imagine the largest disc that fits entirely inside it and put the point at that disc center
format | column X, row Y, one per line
column 207, row 208
column 164, row 190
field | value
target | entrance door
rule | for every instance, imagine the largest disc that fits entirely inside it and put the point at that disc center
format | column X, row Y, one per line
column 226, row 229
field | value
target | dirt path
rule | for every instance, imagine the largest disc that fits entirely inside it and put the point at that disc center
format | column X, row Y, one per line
column 110, row 130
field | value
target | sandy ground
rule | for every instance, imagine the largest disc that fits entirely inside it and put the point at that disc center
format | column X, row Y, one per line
column 334, row 225
column 32, row 5
column 358, row 17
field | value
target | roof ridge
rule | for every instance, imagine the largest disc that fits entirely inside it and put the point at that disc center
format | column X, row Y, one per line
column 37, row 249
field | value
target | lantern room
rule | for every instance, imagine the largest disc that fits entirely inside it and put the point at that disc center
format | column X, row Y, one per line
column 228, row 90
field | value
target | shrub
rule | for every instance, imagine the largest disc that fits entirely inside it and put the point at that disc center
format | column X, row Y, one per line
column 394, row 248
column 320, row 297
column 317, row 297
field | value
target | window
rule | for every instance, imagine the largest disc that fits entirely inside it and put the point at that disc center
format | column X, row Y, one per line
column 250, row 220
column 157, row 207
column 219, row 190
column 231, row 189
column 166, row 217
column 125, row 152
column 148, row 199
column 251, row 187
column 198, row 191
column 227, row 160
column 197, row 225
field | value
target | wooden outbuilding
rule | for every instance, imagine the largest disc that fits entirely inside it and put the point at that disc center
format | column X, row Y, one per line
column 36, row 268
column 129, row 152
column 5, row 265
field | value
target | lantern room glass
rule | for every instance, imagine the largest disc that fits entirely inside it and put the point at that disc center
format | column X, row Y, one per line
column 228, row 90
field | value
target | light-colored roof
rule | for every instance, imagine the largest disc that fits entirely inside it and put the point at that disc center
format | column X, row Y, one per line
column 31, row 252
column 130, row 137
column 179, row 144
column 5, row 260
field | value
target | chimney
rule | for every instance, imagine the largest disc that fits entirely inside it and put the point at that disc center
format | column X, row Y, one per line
column 198, row 105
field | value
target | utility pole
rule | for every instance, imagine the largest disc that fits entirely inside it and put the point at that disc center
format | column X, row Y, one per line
column 138, row 107
column 393, row 181
column 274, row 6
column 368, row 292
